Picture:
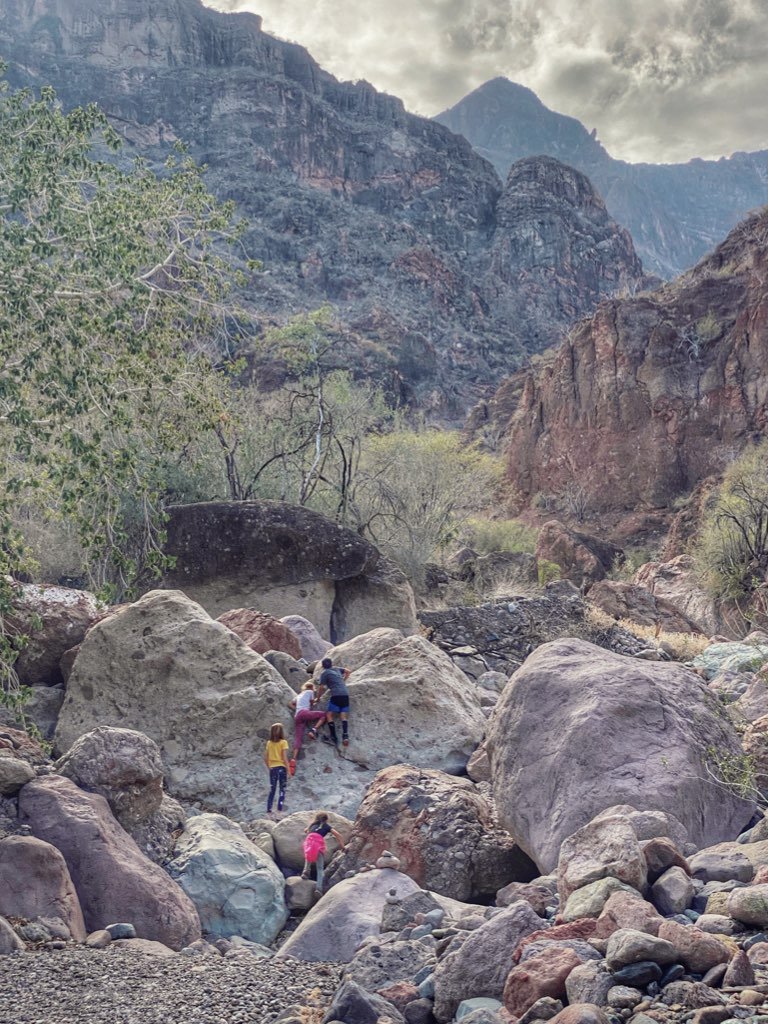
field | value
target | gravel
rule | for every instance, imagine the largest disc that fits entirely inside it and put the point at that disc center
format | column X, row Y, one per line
column 78, row 985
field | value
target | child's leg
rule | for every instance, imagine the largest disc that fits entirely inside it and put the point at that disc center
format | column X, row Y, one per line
column 332, row 728
column 282, row 779
column 272, row 787
column 306, row 871
column 344, row 727
column 320, row 865
column 299, row 725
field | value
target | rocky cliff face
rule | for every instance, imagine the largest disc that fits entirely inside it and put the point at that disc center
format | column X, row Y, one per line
column 653, row 393
column 391, row 218
column 675, row 212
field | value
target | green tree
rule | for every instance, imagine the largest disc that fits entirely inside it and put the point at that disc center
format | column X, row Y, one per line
column 417, row 488
column 732, row 545
column 115, row 304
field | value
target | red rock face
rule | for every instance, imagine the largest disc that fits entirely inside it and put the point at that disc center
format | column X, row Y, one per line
column 654, row 393
column 261, row 632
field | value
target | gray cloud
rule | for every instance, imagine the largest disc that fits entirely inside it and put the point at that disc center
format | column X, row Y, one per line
column 661, row 80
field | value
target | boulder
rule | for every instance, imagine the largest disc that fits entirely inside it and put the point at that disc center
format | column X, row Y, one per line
column 411, row 705
column 35, row 882
column 41, row 708
column 122, row 765
column 376, row 966
column 537, row 894
column 580, row 728
column 695, row 949
column 400, row 913
column 351, row 1003
column 749, row 905
column 293, row 672
column 166, row 668
column 628, row 946
column 637, row 604
column 678, row 582
column 480, row 965
column 285, row 560
column 156, row 835
column 672, row 892
column 442, row 830
column 14, row 773
column 542, row 975
column 627, row 910
column 581, row 1013
column 236, row 888
column 650, row 824
column 660, row 855
column 590, row 982
column 113, row 879
column 604, row 848
column 358, row 651
column 730, row 657
column 590, row 900
column 53, row 619
column 261, row 632
column 580, row 557
column 9, row 940
column 347, row 914
column 289, row 833
column 313, row 646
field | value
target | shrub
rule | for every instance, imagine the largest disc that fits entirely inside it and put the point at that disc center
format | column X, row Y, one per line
column 732, row 546
column 509, row 535
column 548, row 572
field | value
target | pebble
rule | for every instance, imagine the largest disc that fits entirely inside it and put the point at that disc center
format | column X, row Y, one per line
column 78, row 984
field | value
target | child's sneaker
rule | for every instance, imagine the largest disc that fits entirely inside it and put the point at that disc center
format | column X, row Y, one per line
column 345, row 741
column 312, row 734
column 292, row 767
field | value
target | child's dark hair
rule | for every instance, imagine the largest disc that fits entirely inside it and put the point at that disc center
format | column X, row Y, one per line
column 327, row 663
column 320, row 819
column 276, row 733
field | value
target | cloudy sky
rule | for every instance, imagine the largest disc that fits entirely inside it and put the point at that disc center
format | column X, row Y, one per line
column 661, row 80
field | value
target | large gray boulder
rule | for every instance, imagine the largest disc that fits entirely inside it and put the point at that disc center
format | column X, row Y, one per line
column 165, row 668
column 347, row 914
column 286, row 560
column 113, row 879
column 235, row 886
column 480, row 965
column 313, row 646
column 289, row 834
column 411, row 705
column 579, row 729
column 123, row 765
column 358, row 651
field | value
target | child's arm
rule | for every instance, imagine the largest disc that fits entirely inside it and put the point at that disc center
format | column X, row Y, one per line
column 285, row 757
column 292, row 704
column 339, row 839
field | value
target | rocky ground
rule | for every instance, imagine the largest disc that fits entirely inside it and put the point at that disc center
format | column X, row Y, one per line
column 125, row 987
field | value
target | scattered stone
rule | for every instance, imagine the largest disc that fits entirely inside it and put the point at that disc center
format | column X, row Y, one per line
column 628, row 946
column 14, row 773
column 672, row 892
column 590, row 983
column 749, row 905
column 638, row 974
column 542, row 975
column 739, row 971
column 606, row 847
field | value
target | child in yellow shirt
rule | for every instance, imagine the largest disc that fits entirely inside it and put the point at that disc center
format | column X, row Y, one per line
column 276, row 760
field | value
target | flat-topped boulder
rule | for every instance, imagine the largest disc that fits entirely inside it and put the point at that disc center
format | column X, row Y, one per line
column 285, row 560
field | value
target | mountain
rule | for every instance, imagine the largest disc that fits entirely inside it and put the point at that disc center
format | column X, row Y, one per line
column 653, row 393
column 675, row 212
column 442, row 277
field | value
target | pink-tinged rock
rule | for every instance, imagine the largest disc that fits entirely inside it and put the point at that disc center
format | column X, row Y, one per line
column 584, row 928
column 313, row 646
column 400, row 993
column 758, row 954
column 739, row 972
column 113, row 879
column 542, row 975
column 623, row 910
column 580, row 1013
column 261, row 632
column 660, row 855
column 698, row 950
column 538, row 896
column 604, row 848
column 19, row 744
column 35, row 882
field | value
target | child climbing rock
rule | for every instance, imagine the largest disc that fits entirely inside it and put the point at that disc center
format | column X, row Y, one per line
column 304, row 716
column 276, row 760
column 333, row 680
column 314, row 848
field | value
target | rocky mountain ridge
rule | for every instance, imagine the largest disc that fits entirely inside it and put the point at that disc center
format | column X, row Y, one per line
column 652, row 394
column 674, row 212
column 440, row 276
